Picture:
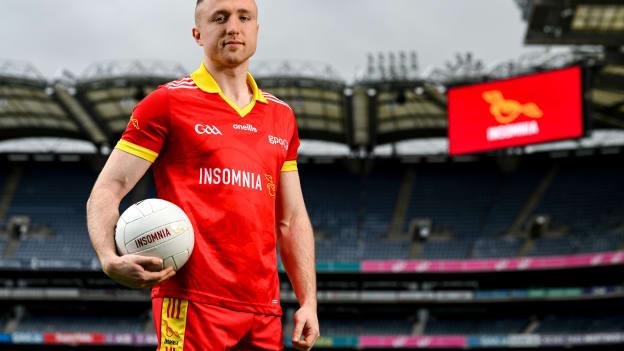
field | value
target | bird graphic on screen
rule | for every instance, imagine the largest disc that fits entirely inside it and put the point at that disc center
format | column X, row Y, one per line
column 506, row 111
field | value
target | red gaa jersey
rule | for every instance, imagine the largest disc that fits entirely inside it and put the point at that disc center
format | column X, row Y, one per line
column 221, row 164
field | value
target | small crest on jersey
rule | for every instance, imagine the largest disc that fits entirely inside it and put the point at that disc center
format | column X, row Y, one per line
column 134, row 122
column 207, row 129
column 270, row 185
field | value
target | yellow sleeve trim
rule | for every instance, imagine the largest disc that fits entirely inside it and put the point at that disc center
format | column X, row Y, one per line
column 289, row 166
column 136, row 150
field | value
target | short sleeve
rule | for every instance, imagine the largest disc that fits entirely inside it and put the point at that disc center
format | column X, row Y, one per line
column 291, row 156
column 148, row 127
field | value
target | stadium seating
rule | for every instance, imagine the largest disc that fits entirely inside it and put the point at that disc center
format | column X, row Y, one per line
column 379, row 190
column 55, row 198
column 561, row 324
column 550, row 324
column 337, row 327
column 496, row 247
column 352, row 213
column 460, row 326
column 2, row 244
column 78, row 323
column 454, row 203
column 2, row 180
column 332, row 203
column 586, row 204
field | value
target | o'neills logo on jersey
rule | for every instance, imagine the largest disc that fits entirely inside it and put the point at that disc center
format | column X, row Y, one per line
column 151, row 237
column 207, row 129
column 278, row 141
column 246, row 127
column 232, row 177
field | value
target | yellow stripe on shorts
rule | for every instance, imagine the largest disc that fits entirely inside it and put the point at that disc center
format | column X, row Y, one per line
column 173, row 324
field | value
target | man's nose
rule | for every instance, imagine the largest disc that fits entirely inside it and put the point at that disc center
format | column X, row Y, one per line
column 233, row 26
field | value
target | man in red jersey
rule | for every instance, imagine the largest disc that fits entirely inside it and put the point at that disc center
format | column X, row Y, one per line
column 225, row 152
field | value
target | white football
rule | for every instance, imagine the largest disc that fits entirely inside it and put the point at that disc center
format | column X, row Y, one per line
column 156, row 228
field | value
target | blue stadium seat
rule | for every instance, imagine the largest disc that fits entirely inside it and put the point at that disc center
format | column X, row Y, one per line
column 384, row 326
column 58, row 323
column 472, row 203
column 586, row 203
column 475, row 326
column 561, row 324
column 55, row 197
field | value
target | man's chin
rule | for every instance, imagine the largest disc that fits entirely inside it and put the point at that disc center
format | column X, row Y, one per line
column 232, row 61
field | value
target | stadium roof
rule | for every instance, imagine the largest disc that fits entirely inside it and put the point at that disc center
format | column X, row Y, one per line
column 607, row 97
column 388, row 105
column 108, row 91
column 28, row 106
column 295, row 69
column 574, row 22
column 127, row 69
column 16, row 70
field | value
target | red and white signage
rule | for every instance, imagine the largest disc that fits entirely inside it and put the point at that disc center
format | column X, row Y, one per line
column 519, row 111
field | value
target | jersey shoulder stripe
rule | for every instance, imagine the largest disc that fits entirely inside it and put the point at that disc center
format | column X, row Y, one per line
column 184, row 83
column 181, row 80
column 271, row 97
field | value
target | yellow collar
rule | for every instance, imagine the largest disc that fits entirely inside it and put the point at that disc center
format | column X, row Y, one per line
column 206, row 82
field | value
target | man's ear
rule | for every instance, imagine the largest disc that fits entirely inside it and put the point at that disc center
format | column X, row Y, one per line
column 197, row 36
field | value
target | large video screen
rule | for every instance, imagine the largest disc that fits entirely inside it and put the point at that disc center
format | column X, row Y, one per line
column 513, row 112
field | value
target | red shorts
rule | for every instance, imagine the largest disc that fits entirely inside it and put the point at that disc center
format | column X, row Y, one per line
column 184, row 325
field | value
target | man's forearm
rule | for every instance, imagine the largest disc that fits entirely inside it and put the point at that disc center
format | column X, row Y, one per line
column 102, row 215
column 297, row 252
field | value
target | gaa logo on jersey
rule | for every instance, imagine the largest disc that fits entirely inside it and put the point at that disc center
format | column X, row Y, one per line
column 207, row 129
column 278, row 141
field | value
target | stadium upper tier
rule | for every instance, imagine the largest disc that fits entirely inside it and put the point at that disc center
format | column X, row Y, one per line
column 587, row 22
column 380, row 107
column 391, row 211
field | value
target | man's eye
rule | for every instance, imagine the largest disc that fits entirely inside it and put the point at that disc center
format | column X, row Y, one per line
column 245, row 18
column 219, row 19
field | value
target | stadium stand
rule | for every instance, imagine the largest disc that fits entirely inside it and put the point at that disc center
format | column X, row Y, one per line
column 550, row 324
column 78, row 323
column 471, row 215
column 413, row 202
column 584, row 206
column 367, row 327
column 54, row 201
column 450, row 325
column 438, row 194
column 559, row 324
column 474, row 326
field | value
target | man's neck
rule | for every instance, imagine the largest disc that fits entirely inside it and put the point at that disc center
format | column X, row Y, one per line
column 232, row 81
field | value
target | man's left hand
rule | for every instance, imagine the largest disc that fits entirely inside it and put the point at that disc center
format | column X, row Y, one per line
column 306, row 325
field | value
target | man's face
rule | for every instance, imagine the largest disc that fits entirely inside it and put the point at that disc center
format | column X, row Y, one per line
column 227, row 30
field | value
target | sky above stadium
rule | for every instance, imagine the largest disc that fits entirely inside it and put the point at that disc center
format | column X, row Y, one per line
column 73, row 34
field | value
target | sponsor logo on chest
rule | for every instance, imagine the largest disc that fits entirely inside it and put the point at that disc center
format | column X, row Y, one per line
column 237, row 178
column 231, row 177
